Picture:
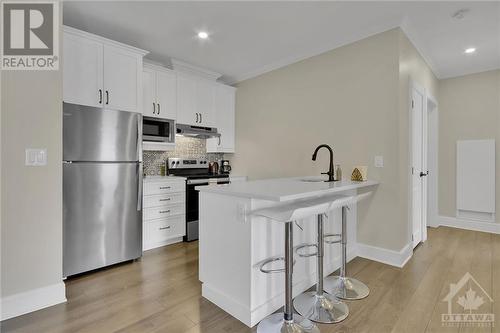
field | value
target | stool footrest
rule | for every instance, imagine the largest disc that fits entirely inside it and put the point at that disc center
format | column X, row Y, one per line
column 306, row 245
column 327, row 236
column 274, row 270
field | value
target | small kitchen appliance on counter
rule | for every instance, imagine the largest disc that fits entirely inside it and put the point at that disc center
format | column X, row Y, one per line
column 196, row 171
column 224, row 167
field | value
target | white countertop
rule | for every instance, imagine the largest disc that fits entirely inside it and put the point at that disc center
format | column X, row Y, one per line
column 285, row 189
column 162, row 178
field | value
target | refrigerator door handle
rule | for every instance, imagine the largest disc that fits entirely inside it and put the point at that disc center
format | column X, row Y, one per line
column 139, row 187
column 139, row 138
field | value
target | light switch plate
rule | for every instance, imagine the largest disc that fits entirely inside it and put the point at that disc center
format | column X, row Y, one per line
column 36, row 157
column 379, row 161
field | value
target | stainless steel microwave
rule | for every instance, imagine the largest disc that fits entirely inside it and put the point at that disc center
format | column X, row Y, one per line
column 158, row 130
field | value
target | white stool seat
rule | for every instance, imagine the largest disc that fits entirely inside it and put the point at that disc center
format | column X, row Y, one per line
column 301, row 209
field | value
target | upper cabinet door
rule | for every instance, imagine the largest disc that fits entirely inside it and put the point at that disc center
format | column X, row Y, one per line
column 149, row 92
column 82, row 71
column 225, row 121
column 122, row 75
column 205, row 102
column 186, row 105
column 166, row 94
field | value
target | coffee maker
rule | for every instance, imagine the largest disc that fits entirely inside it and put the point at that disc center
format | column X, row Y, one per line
column 224, row 167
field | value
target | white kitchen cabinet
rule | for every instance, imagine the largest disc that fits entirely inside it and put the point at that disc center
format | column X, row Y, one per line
column 164, row 211
column 224, row 120
column 159, row 92
column 195, row 100
column 100, row 72
column 82, row 86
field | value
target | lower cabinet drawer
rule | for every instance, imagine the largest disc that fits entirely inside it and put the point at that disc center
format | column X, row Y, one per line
column 163, row 211
column 164, row 199
column 160, row 230
column 163, row 187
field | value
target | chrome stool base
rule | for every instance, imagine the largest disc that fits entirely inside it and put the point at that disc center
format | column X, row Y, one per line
column 276, row 323
column 345, row 288
column 323, row 308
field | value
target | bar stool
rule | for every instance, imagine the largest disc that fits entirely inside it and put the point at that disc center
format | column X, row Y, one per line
column 342, row 286
column 318, row 305
column 287, row 321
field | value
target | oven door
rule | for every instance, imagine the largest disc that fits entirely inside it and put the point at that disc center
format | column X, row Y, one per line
column 192, row 205
column 157, row 130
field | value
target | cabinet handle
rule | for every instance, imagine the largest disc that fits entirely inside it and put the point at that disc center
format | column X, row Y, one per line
column 163, row 228
column 107, row 97
column 196, row 117
column 167, row 199
column 219, row 140
column 158, row 108
column 154, row 108
column 164, row 187
column 201, row 118
column 100, row 96
column 164, row 211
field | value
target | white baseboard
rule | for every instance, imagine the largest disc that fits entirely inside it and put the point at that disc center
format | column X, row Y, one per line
column 32, row 300
column 453, row 222
column 385, row 256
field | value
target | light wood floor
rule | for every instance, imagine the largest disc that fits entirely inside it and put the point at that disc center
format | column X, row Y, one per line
column 161, row 292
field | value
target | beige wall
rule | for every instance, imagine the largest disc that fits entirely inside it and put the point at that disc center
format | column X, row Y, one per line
column 412, row 68
column 31, row 216
column 346, row 98
column 469, row 108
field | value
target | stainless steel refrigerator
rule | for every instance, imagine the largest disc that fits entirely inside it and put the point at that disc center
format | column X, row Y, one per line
column 102, row 187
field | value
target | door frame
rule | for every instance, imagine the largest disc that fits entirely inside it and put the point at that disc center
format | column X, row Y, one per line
column 431, row 137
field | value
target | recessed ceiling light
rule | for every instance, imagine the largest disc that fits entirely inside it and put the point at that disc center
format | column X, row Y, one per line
column 470, row 50
column 202, row 35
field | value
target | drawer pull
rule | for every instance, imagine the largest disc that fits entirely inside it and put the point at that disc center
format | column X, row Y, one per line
column 163, row 228
column 164, row 187
column 167, row 199
column 164, row 211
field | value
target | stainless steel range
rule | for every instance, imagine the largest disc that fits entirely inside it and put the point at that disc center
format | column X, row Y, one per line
column 197, row 174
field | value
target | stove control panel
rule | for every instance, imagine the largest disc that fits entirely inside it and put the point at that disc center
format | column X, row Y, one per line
column 187, row 163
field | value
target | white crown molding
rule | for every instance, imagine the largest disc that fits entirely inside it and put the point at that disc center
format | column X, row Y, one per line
column 32, row 300
column 181, row 66
column 385, row 256
column 453, row 222
column 305, row 55
column 88, row 35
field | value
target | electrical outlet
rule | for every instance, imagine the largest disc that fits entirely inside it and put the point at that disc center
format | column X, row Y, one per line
column 36, row 157
column 379, row 161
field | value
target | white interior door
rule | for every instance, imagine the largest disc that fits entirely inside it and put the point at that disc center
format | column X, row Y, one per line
column 418, row 139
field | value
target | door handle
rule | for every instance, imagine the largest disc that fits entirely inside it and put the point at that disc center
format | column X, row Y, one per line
column 424, row 174
column 139, row 189
column 100, row 96
column 107, row 97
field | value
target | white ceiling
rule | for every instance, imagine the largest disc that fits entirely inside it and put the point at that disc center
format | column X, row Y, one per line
column 250, row 38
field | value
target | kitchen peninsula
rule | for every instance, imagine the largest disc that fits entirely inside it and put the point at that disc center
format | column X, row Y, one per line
column 233, row 243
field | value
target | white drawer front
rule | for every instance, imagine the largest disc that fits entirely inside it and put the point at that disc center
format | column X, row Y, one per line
column 164, row 199
column 163, row 212
column 160, row 230
column 164, row 187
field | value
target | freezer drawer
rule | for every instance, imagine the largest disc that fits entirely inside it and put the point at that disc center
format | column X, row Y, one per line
column 102, row 215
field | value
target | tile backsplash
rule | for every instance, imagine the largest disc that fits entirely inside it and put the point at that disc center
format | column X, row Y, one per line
column 184, row 148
